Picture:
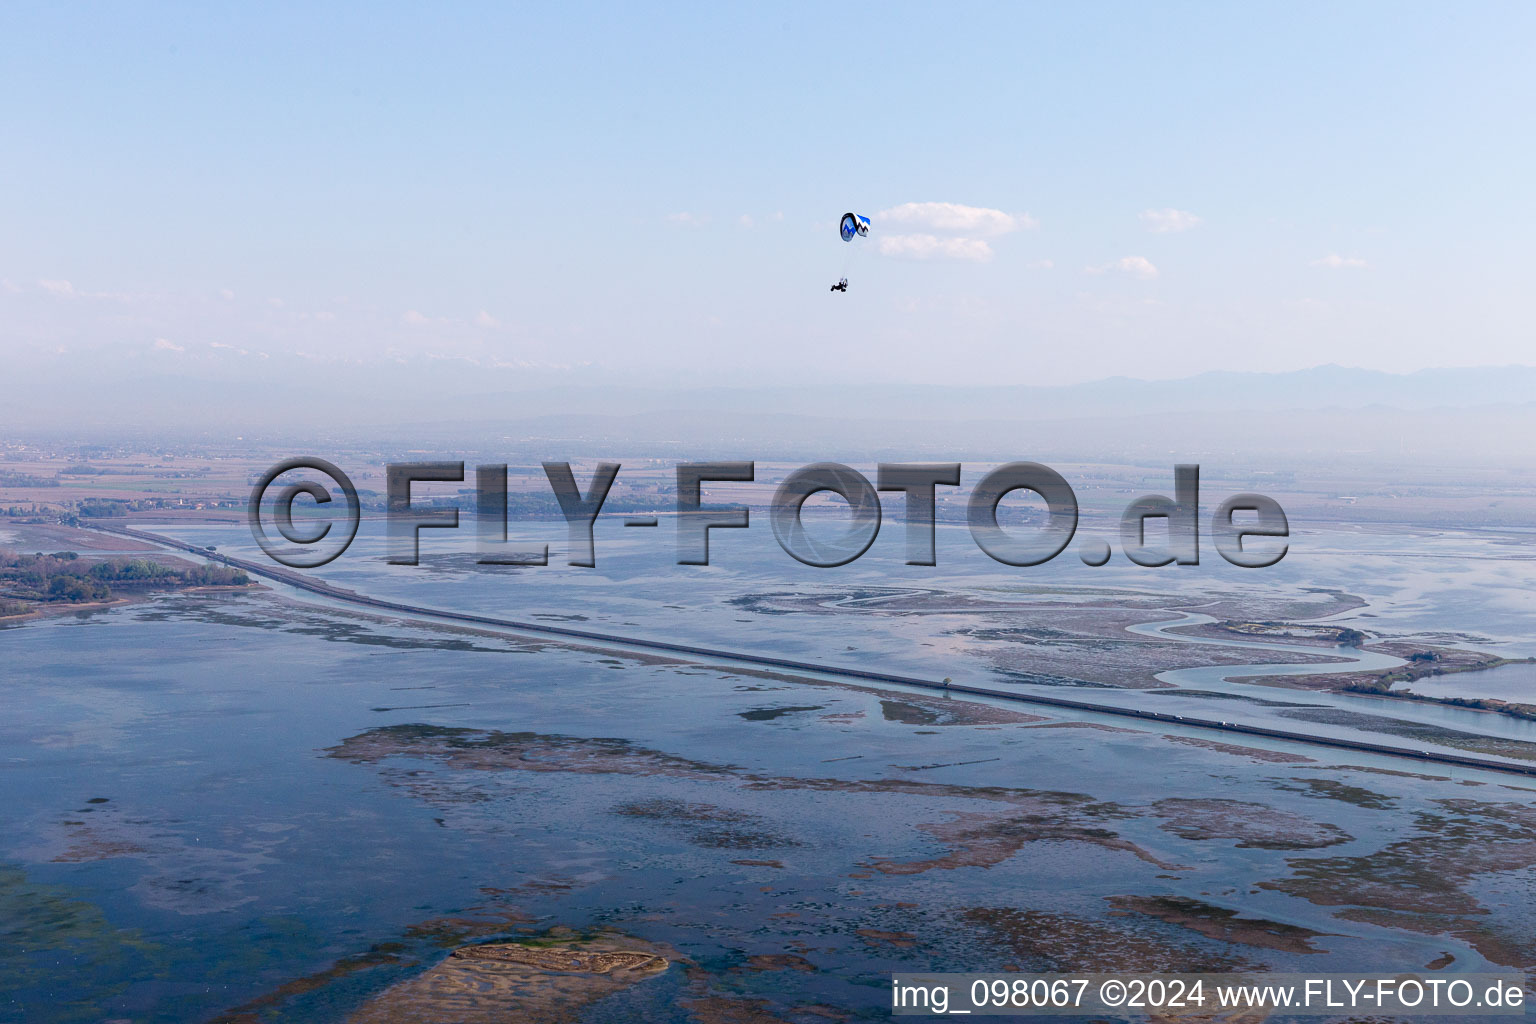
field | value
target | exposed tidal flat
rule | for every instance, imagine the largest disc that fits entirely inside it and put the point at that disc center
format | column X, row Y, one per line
column 253, row 806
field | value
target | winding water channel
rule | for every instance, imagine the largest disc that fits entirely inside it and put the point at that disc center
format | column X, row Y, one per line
column 1224, row 679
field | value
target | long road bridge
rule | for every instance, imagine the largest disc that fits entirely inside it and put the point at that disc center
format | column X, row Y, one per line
column 307, row 583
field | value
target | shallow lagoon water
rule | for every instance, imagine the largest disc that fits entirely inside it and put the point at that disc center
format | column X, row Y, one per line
column 1515, row 683
column 212, row 798
column 1478, row 595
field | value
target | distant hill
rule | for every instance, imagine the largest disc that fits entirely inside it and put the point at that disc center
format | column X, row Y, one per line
column 1480, row 412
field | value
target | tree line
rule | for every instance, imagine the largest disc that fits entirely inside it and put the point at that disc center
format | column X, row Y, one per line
column 65, row 576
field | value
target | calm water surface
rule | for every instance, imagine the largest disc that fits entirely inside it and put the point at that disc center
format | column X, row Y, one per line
column 210, row 798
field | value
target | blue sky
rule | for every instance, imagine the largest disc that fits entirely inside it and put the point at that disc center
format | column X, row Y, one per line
column 652, row 193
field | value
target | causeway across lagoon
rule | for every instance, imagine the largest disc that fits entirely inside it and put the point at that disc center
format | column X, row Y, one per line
column 302, row 582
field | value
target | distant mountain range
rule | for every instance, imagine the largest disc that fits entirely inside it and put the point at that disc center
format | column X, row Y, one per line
column 1320, row 387
column 1323, row 407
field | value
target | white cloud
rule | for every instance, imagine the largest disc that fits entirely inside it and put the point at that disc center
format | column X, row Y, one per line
column 929, row 247
column 1336, row 262
column 415, row 319
column 227, row 293
column 950, row 231
column 231, row 348
column 1136, row 266
column 67, row 290
column 164, row 345
column 485, row 319
column 745, row 220
column 685, row 218
column 955, row 218
column 1167, row 221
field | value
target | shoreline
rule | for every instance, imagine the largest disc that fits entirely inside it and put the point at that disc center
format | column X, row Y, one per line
column 52, row 609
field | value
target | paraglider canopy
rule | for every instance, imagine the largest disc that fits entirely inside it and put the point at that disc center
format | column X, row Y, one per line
column 850, row 227
column 853, row 225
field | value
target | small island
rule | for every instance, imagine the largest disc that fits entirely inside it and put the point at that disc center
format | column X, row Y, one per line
column 66, row 578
